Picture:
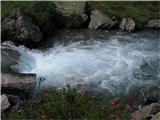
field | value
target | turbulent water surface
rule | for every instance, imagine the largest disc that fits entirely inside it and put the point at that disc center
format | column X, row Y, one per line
column 117, row 63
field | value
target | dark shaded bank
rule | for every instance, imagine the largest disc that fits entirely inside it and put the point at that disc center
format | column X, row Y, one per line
column 30, row 22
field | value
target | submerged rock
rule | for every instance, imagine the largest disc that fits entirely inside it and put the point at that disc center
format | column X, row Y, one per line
column 18, row 28
column 4, row 102
column 70, row 14
column 101, row 21
column 155, row 23
column 127, row 24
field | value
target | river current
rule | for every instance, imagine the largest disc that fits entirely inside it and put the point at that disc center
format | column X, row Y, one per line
column 116, row 63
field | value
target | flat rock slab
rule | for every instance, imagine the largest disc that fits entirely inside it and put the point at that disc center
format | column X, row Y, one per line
column 18, row 81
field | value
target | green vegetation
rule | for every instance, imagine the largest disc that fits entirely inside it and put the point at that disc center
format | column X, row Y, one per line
column 41, row 12
column 69, row 104
column 140, row 11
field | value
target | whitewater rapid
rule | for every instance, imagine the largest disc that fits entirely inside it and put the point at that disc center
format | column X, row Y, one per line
column 116, row 64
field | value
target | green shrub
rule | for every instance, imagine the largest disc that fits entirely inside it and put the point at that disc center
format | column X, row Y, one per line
column 69, row 104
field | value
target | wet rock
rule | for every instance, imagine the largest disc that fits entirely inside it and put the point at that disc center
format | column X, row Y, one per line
column 146, row 112
column 4, row 102
column 101, row 21
column 9, row 57
column 127, row 24
column 18, row 27
column 156, row 116
column 70, row 14
column 155, row 23
column 12, row 82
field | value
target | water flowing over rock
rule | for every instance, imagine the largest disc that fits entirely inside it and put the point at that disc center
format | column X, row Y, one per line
column 155, row 23
column 101, row 21
column 10, row 80
column 18, row 27
column 9, row 57
column 112, row 63
column 127, row 24
column 4, row 102
column 70, row 14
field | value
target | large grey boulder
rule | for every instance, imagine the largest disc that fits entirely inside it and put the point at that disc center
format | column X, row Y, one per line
column 70, row 14
column 101, row 21
column 18, row 82
column 10, row 80
column 156, row 116
column 146, row 111
column 155, row 23
column 4, row 102
column 9, row 57
column 18, row 27
column 127, row 24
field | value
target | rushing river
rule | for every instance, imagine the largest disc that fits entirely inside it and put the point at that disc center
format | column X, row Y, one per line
column 117, row 63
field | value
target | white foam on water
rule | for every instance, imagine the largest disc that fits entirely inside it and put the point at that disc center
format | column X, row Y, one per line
column 113, row 64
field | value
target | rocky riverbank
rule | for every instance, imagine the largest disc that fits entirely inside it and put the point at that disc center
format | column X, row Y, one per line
column 14, row 86
column 29, row 23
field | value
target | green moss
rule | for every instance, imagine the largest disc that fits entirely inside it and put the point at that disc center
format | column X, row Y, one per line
column 17, row 116
column 41, row 12
column 140, row 11
column 69, row 104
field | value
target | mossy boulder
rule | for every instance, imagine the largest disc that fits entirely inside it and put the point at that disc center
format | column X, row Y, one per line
column 18, row 28
column 70, row 14
column 40, row 12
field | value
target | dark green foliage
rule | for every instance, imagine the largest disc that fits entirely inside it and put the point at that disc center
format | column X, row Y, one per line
column 140, row 11
column 68, row 104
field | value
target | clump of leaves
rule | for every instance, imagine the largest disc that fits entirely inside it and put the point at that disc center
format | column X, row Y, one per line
column 67, row 103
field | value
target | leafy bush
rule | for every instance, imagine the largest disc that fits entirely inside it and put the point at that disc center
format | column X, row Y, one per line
column 69, row 104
